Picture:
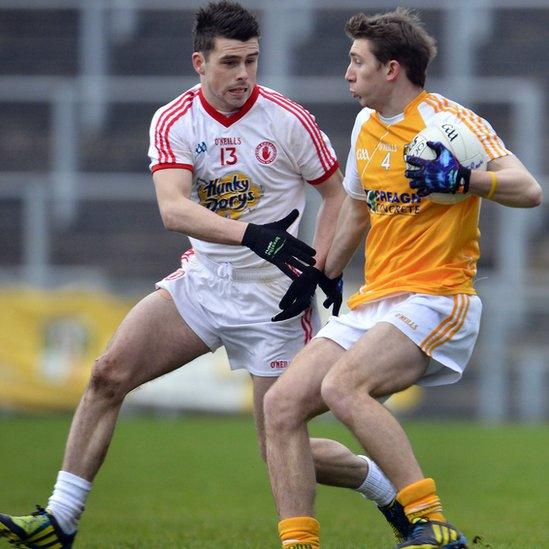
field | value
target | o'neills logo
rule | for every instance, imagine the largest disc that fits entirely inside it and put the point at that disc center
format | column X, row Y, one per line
column 230, row 195
column 266, row 152
column 279, row 364
column 406, row 320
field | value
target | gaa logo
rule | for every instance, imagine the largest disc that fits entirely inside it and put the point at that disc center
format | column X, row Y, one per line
column 266, row 152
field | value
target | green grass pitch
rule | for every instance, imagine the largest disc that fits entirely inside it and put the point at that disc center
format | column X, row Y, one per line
column 198, row 482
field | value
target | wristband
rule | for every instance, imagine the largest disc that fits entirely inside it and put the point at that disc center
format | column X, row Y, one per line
column 493, row 187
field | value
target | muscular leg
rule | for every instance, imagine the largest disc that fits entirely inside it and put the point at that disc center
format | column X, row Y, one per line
column 370, row 369
column 151, row 341
column 260, row 386
column 290, row 403
column 334, row 463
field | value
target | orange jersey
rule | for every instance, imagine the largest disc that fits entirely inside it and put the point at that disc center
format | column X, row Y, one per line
column 414, row 244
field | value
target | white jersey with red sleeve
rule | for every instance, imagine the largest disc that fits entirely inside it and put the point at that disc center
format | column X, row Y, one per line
column 250, row 165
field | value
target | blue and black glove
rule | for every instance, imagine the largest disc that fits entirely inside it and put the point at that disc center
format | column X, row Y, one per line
column 273, row 243
column 443, row 174
column 300, row 294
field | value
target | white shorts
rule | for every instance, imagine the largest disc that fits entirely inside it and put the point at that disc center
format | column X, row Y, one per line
column 233, row 307
column 443, row 327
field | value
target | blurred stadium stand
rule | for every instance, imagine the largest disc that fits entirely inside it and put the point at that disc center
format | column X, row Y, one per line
column 80, row 80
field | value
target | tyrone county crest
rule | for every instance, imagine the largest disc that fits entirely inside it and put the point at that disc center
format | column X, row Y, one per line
column 266, row 152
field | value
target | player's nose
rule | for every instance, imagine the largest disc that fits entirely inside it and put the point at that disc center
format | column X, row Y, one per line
column 349, row 76
column 242, row 72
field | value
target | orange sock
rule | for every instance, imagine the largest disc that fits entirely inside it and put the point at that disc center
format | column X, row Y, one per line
column 420, row 500
column 299, row 533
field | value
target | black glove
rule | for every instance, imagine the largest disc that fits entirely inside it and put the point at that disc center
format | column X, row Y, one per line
column 333, row 288
column 273, row 243
column 300, row 294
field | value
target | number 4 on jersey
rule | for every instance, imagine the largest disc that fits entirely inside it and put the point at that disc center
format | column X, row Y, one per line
column 228, row 156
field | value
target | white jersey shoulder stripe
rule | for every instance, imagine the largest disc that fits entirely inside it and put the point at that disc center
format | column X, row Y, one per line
column 326, row 158
column 167, row 118
column 308, row 122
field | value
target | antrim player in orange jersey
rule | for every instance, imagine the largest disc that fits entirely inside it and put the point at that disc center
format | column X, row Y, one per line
column 416, row 318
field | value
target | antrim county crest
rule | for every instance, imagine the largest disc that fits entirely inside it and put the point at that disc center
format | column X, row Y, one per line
column 230, row 195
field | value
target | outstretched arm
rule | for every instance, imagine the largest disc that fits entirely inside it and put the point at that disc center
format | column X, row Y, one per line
column 270, row 241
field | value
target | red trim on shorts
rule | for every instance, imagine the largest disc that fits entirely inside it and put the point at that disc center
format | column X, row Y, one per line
column 307, row 325
column 229, row 120
column 172, row 165
column 178, row 273
column 185, row 256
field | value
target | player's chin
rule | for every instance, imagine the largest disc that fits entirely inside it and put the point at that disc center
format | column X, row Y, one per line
column 237, row 99
column 359, row 98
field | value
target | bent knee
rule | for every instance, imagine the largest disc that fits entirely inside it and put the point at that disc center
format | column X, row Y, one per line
column 108, row 377
column 337, row 392
column 283, row 409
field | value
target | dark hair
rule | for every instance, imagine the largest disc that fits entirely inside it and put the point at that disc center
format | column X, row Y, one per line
column 222, row 19
column 396, row 35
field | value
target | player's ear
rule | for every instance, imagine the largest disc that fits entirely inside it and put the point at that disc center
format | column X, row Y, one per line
column 392, row 69
column 199, row 63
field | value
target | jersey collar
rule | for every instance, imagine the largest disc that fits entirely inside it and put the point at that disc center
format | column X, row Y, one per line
column 415, row 102
column 231, row 119
column 388, row 121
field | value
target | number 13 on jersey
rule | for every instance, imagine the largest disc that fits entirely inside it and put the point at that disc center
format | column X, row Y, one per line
column 228, row 156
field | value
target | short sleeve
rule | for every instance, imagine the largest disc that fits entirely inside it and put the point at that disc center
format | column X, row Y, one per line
column 311, row 147
column 351, row 181
column 168, row 142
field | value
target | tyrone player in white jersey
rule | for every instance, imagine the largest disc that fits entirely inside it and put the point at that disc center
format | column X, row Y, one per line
column 228, row 157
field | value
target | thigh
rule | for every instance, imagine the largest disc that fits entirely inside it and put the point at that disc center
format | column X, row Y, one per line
column 443, row 327
column 383, row 361
column 192, row 288
column 153, row 340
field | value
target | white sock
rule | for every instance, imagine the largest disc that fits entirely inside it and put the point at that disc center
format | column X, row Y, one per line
column 68, row 499
column 376, row 485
